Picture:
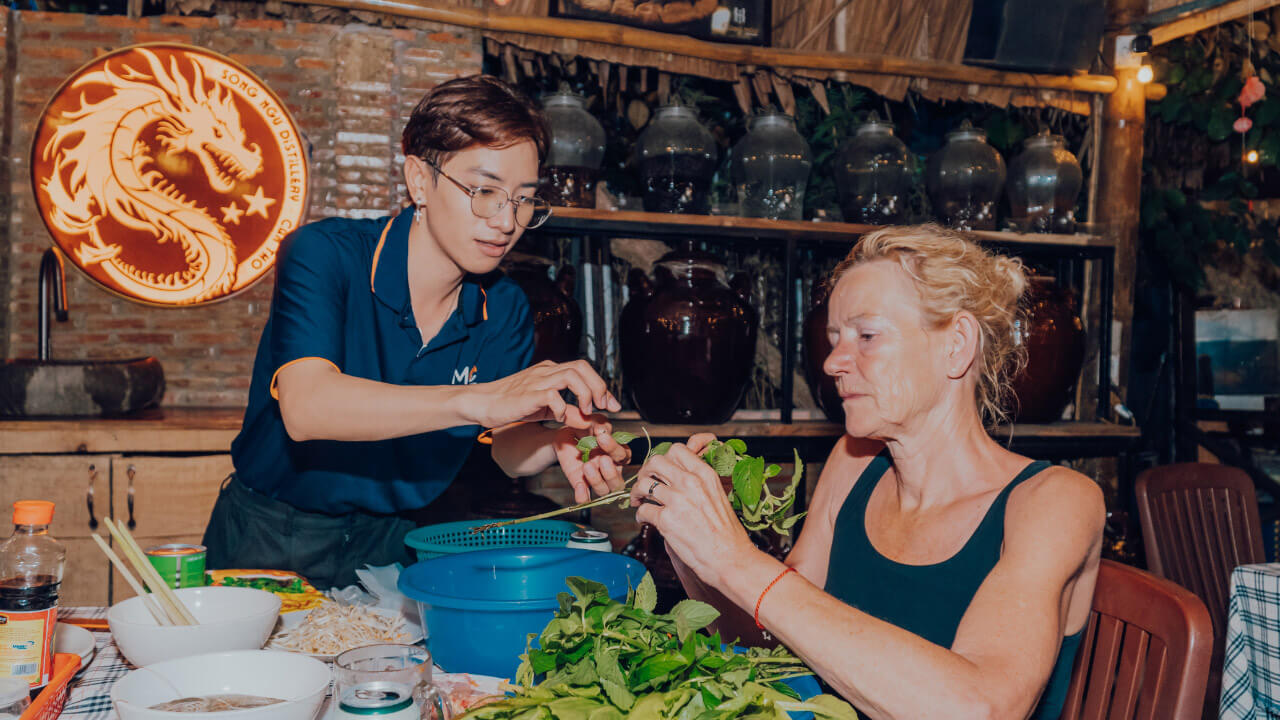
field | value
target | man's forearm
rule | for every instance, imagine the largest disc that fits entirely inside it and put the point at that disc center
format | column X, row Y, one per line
column 524, row 449
column 328, row 405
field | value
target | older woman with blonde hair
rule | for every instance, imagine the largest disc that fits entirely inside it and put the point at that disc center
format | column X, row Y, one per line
column 939, row 575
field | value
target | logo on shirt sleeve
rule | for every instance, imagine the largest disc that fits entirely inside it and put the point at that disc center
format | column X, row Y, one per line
column 465, row 376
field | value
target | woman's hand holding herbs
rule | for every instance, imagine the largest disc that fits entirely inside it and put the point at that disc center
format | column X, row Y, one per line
column 598, row 468
column 682, row 495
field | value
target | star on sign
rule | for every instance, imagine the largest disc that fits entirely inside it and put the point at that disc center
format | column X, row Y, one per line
column 258, row 203
column 231, row 213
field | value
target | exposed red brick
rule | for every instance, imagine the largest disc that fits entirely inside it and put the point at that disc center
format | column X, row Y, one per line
column 448, row 38
column 313, row 64
column 286, row 43
column 89, row 37
column 146, row 338
column 54, row 51
column 156, row 37
column 189, row 21
column 52, row 18
column 259, row 60
column 122, row 21
column 256, row 24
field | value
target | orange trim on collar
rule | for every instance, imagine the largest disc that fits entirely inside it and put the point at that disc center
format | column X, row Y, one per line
column 377, row 252
column 484, row 309
column 275, row 391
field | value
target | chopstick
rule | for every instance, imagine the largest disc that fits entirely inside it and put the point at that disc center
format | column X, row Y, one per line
column 169, row 601
column 150, row 602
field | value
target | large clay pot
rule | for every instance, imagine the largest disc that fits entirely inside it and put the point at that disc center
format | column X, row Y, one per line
column 816, row 349
column 1054, row 338
column 688, row 340
column 557, row 319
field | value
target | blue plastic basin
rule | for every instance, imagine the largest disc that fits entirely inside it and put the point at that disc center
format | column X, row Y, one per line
column 479, row 607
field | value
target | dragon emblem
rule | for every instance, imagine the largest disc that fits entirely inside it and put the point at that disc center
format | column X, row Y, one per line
column 106, row 158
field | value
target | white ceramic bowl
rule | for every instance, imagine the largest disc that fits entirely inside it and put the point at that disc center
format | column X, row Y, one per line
column 229, row 618
column 297, row 679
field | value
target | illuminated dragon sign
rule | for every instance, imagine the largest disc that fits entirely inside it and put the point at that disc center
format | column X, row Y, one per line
column 168, row 173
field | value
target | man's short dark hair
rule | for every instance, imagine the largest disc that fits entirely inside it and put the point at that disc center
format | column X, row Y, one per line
column 472, row 110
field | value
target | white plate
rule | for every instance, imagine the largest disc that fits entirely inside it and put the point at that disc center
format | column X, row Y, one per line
column 289, row 621
column 74, row 639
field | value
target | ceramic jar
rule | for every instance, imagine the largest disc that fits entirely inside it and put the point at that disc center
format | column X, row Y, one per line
column 1054, row 338
column 687, row 340
column 557, row 319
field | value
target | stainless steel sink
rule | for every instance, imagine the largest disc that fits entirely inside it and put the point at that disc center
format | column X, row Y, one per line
column 70, row 388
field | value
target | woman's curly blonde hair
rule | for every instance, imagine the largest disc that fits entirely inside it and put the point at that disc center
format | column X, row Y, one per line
column 953, row 273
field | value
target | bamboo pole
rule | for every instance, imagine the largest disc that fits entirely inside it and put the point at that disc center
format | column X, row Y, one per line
column 636, row 38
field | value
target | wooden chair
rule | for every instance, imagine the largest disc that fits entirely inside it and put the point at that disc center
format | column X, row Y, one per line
column 1145, row 652
column 1200, row 521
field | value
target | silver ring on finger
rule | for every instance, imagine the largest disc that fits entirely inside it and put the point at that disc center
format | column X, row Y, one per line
column 654, row 486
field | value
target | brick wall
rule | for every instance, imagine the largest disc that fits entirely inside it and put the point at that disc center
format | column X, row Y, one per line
column 348, row 87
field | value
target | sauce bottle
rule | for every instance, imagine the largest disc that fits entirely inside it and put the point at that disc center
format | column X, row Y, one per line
column 31, row 563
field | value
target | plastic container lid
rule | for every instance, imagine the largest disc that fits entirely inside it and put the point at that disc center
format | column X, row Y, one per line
column 32, row 512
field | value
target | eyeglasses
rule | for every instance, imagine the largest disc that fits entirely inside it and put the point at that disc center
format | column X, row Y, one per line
column 489, row 200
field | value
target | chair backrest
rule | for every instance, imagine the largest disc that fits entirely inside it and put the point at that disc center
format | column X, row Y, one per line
column 1145, row 653
column 1199, row 521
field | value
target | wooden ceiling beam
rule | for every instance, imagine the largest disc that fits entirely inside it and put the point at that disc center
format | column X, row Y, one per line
column 1205, row 18
column 629, row 37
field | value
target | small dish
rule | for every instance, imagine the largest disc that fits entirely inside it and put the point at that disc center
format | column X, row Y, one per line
column 75, row 640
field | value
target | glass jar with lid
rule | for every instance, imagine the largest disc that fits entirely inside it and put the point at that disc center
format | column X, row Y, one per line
column 576, row 151
column 964, row 180
column 770, row 167
column 677, row 157
column 1044, row 184
column 873, row 175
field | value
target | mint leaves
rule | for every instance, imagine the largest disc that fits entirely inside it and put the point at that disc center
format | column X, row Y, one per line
column 756, row 505
column 598, row 659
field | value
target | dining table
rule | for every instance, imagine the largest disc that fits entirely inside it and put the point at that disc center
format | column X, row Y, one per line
column 1251, row 655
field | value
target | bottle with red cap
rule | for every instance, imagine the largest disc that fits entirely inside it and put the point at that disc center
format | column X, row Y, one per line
column 31, row 563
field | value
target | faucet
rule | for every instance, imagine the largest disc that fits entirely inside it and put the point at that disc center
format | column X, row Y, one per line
column 50, row 265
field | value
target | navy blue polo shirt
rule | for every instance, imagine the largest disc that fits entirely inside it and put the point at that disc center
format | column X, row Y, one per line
column 342, row 295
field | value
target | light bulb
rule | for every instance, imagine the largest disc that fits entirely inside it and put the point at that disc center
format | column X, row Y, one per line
column 1251, row 156
column 1145, row 74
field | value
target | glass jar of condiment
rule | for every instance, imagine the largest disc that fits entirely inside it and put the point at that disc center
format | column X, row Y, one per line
column 576, row 152
column 873, row 175
column 1044, row 184
column 964, row 180
column 770, row 168
column 677, row 157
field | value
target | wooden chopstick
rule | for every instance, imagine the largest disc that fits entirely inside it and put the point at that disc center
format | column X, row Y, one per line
column 168, row 599
column 150, row 602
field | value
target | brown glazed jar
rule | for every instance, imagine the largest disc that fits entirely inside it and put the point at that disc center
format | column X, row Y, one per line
column 1054, row 338
column 688, row 340
column 816, row 349
column 557, row 319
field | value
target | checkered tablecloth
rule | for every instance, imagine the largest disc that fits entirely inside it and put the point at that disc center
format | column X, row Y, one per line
column 90, row 697
column 1251, row 662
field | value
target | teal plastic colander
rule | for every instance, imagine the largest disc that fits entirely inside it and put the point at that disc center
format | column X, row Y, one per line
column 450, row 538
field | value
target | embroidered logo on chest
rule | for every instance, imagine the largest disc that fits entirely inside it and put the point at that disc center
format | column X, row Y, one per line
column 464, row 376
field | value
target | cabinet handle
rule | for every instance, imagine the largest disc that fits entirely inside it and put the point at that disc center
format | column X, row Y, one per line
column 88, row 496
column 131, row 472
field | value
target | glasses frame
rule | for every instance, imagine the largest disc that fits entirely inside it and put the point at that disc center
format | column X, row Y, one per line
column 515, row 202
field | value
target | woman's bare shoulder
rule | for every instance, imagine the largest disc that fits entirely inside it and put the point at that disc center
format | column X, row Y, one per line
column 1059, row 497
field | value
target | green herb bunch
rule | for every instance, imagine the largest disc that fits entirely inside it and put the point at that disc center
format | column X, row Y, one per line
column 757, row 507
column 599, row 659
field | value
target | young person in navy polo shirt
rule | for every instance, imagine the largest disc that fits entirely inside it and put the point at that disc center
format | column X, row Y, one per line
column 392, row 343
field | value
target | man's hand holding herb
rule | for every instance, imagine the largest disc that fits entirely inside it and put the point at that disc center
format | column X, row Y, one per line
column 592, row 459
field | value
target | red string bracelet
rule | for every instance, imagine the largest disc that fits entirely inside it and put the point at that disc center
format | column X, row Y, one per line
column 766, row 592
